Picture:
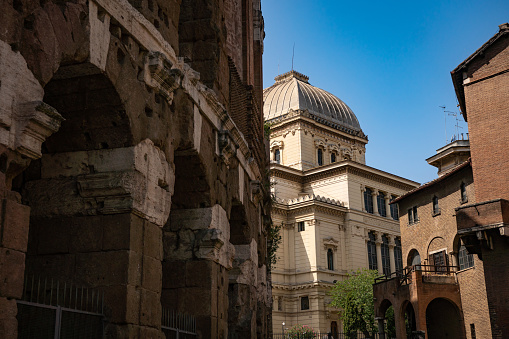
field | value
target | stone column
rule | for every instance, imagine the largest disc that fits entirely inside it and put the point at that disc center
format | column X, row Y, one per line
column 374, row 195
column 387, row 206
column 378, row 243
column 392, row 244
column 381, row 327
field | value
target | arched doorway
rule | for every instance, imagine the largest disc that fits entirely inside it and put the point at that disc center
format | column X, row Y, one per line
column 334, row 329
column 410, row 323
column 443, row 320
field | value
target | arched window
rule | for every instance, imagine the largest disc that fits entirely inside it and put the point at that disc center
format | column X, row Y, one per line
column 372, row 260
column 320, row 157
column 330, row 259
column 277, row 155
column 368, row 200
column 332, row 157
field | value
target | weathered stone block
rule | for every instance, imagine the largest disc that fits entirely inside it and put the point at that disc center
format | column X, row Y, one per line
column 87, row 235
column 174, row 274
column 16, row 219
column 152, row 274
column 120, row 232
column 103, row 268
column 12, row 267
column 153, row 241
column 199, row 273
column 150, row 309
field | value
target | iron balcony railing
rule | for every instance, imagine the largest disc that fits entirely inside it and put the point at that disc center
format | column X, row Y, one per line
column 404, row 275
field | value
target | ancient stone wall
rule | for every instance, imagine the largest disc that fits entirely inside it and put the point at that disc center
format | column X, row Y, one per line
column 121, row 167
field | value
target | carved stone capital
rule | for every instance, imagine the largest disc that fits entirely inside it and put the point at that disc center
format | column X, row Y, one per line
column 161, row 76
column 34, row 122
column 289, row 225
column 227, row 147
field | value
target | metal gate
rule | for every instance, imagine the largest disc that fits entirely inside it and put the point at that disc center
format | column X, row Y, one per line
column 51, row 310
column 176, row 325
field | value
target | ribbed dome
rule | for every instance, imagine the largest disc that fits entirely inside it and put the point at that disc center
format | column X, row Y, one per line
column 292, row 91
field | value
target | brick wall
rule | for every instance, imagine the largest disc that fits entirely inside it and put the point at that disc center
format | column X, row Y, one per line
column 488, row 117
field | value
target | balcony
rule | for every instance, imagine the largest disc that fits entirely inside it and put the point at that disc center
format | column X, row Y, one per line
column 414, row 294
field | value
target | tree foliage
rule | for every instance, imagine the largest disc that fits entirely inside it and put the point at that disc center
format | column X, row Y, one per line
column 273, row 240
column 354, row 296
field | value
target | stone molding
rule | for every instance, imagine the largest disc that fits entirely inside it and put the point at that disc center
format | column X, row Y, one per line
column 227, row 146
column 34, row 122
column 134, row 179
column 165, row 70
column 330, row 242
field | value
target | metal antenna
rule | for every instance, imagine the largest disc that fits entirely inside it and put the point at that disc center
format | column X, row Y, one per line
column 293, row 54
column 455, row 115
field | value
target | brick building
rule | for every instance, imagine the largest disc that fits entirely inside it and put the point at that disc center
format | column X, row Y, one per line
column 132, row 165
column 482, row 83
column 454, row 236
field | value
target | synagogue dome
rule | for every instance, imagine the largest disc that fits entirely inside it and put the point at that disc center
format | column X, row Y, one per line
column 292, row 91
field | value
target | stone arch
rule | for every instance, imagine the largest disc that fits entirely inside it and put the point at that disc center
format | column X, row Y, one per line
column 407, row 309
column 443, row 319
column 94, row 191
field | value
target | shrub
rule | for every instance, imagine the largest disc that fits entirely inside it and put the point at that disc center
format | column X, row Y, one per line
column 300, row 332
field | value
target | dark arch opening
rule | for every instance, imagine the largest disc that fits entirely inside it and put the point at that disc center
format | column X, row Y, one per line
column 443, row 319
column 410, row 323
column 390, row 322
column 414, row 258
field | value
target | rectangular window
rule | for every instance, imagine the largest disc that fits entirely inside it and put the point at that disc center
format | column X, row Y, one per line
column 300, row 226
column 416, row 218
column 330, row 259
column 380, row 199
column 465, row 259
column 372, row 259
column 463, row 191
column 394, row 209
column 436, row 209
column 439, row 261
column 304, row 303
column 368, row 200
column 386, row 261
column 398, row 255
column 410, row 216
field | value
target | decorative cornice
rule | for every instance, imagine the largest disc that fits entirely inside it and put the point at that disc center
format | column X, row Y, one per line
column 309, row 285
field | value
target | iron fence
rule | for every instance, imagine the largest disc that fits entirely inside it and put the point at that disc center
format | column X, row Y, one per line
column 49, row 309
column 324, row 335
column 177, row 325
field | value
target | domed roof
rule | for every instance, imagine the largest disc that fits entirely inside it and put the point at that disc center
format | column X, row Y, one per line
column 292, row 91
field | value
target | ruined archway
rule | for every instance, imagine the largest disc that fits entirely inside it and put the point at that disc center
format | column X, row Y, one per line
column 443, row 320
column 90, row 223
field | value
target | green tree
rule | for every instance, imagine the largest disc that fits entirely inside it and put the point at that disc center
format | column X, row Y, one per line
column 354, row 296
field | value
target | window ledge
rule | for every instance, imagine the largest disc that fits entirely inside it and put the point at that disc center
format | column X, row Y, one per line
column 435, row 214
column 466, row 269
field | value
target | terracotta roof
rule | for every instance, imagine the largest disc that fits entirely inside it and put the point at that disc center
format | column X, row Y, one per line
column 433, row 182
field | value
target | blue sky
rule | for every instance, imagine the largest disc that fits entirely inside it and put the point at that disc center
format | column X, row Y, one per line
column 390, row 61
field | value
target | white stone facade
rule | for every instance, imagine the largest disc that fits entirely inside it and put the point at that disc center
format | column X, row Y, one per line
column 320, row 204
